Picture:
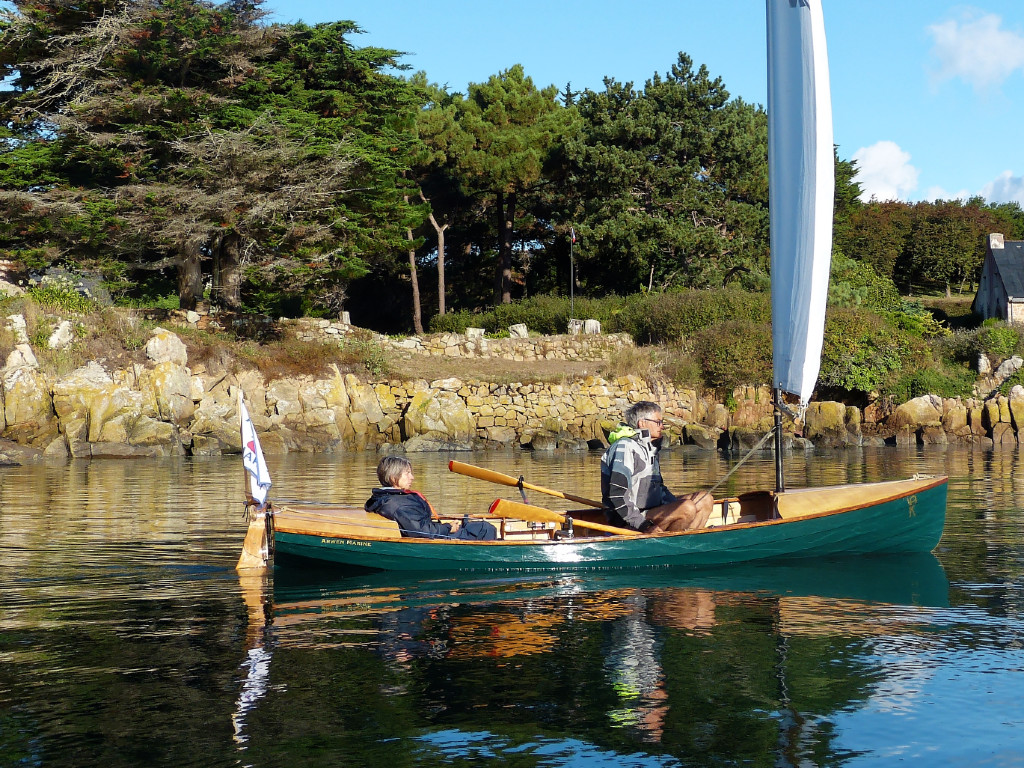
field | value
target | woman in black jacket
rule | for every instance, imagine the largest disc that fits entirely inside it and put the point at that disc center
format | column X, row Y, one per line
column 397, row 501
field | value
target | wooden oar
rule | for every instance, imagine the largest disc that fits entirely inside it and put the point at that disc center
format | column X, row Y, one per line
column 519, row 511
column 497, row 477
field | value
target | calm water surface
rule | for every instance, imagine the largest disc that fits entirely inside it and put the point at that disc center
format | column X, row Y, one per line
column 127, row 639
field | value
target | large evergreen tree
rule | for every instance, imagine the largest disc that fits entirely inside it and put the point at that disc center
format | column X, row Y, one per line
column 182, row 134
column 670, row 183
column 514, row 128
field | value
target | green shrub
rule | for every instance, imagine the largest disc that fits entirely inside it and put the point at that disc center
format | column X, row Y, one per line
column 650, row 318
column 455, row 322
column 545, row 314
column 958, row 348
column 953, row 381
column 664, row 318
column 856, row 284
column 1011, row 382
column 369, row 353
column 999, row 340
column 915, row 319
column 861, row 350
column 62, row 295
column 679, row 366
column 734, row 353
column 39, row 337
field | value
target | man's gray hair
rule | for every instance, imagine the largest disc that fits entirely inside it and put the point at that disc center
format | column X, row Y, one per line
column 390, row 469
column 645, row 409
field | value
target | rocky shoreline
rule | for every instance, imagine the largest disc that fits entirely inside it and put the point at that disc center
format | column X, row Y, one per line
column 166, row 408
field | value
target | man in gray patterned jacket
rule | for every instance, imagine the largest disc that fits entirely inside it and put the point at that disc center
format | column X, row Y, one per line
column 632, row 489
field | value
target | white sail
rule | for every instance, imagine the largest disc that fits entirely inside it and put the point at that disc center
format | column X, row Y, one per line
column 801, row 187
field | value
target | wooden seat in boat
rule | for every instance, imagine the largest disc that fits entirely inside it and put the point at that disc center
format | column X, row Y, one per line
column 334, row 521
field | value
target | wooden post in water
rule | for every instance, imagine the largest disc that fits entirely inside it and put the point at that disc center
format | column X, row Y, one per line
column 255, row 547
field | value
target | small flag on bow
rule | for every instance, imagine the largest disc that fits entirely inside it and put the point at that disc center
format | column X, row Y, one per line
column 252, row 456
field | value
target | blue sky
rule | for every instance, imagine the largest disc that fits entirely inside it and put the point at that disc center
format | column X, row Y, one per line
column 927, row 96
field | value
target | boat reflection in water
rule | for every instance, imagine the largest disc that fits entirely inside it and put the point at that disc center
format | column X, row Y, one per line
column 719, row 662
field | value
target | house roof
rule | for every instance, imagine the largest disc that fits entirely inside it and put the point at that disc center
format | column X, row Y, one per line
column 1010, row 263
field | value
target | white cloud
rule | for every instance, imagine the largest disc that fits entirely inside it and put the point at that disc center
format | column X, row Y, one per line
column 939, row 193
column 884, row 171
column 975, row 49
column 1005, row 188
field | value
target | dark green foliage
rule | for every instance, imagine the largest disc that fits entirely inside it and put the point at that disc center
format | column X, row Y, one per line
column 959, row 348
column 668, row 184
column 650, row 318
column 857, row 284
column 734, row 353
column 185, row 135
column 540, row 314
column 940, row 243
column 660, row 318
column 948, row 381
column 182, row 144
column 861, row 352
column 999, row 340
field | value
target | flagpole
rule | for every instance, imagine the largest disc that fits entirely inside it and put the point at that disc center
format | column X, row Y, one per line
column 249, row 500
column 256, row 545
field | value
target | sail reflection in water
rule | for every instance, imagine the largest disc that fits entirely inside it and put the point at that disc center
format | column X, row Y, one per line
column 720, row 662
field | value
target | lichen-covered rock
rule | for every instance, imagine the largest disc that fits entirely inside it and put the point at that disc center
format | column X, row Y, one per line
column 165, row 347
column 63, row 336
column 954, row 420
column 436, row 441
column 29, row 417
column 924, row 411
column 718, row 417
column 1015, row 405
column 21, row 357
column 543, row 442
column 703, row 436
column 168, row 386
column 364, row 400
column 825, row 424
column 440, row 412
column 744, row 439
column 1003, row 435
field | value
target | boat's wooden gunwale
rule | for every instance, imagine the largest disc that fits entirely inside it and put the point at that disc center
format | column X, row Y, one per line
column 909, row 488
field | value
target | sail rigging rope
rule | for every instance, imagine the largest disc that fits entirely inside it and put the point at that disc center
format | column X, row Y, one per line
column 739, row 464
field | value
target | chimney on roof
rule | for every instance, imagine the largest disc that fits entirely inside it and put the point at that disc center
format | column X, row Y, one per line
column 995, row 241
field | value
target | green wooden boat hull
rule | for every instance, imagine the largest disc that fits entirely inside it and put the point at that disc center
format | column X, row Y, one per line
column 911, row 522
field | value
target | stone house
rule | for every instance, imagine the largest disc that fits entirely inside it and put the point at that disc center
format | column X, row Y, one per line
column 1001, row 288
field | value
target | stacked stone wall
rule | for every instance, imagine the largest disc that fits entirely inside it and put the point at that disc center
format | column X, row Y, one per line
column 475, row 345
column 167, row 408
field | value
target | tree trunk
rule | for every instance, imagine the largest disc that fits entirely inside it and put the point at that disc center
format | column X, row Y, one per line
column 506, row 218
column 440, row 257
column 190, row 277
column 440, row 267
column 227, row 274
column 417, row 315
